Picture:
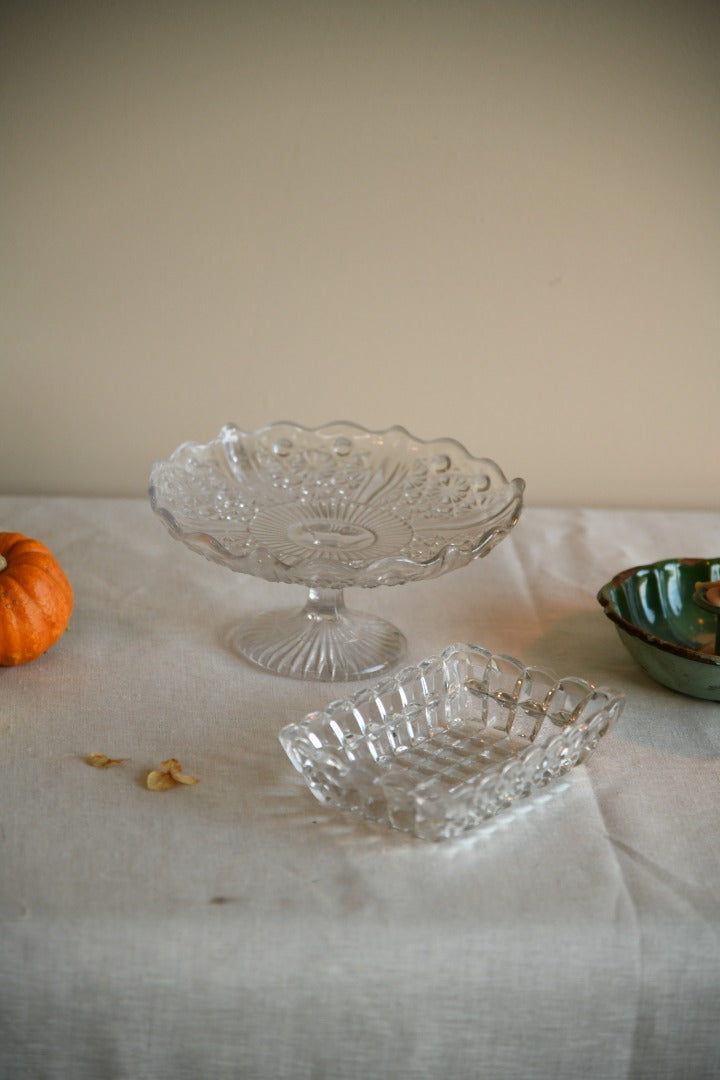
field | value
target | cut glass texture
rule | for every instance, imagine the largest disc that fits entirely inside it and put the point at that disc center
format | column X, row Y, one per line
column 443, row 747
column 329, row 508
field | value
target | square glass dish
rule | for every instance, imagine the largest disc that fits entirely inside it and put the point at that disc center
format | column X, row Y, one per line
column 448, row 744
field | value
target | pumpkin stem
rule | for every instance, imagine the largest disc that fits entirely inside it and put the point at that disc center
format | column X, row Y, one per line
column 3, row 563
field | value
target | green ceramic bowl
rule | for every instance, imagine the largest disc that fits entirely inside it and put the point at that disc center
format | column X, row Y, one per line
column 663, row 627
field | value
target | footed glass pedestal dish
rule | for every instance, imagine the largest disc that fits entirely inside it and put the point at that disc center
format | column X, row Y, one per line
column 331, row 508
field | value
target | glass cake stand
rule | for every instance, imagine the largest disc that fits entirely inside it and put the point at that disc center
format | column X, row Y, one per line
column 330, row 508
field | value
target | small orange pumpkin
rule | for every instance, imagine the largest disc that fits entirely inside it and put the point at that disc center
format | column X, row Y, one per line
column 36, row 599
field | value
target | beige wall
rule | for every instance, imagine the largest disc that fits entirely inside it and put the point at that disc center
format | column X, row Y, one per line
column 493, row 220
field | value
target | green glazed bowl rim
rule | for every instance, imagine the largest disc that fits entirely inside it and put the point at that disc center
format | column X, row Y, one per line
column 607, row 600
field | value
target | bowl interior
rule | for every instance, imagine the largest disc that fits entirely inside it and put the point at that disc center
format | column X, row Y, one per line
column 656, row 603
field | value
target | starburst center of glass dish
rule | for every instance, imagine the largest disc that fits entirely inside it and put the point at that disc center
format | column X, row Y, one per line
column 330, row 534
column 330, row 529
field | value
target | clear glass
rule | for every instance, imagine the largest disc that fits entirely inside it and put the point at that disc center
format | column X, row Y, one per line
column 442, row 747
column 330, row 508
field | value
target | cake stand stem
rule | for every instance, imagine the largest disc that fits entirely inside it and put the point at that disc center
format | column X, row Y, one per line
column 323, row 640
column 325, row 604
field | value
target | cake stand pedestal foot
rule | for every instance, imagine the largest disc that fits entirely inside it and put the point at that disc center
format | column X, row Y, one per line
column 323, row 641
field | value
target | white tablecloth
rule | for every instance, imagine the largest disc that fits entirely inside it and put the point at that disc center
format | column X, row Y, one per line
column 238, row 929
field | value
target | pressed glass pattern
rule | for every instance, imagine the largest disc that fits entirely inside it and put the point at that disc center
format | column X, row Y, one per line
column 329, row 508
column 444, row 746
